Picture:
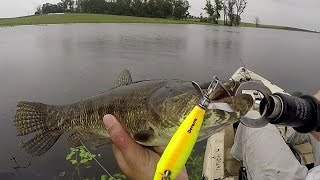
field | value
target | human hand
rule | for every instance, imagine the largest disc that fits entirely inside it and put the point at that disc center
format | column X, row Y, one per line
column 317, row 95
column 315, row 134
column 136, row 161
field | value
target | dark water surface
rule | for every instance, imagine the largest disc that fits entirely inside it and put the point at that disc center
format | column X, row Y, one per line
column 60, row 64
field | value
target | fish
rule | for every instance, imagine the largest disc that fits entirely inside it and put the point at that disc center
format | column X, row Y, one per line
column 150, row 111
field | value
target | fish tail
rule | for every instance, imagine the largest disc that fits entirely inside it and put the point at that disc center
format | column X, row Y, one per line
column 33, row 117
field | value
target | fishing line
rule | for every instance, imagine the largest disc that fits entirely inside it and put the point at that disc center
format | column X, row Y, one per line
column 97, row 160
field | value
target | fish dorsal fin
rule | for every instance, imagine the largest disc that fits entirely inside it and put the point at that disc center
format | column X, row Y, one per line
column 124, row 78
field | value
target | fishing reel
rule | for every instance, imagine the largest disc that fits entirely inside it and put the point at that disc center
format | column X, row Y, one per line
column 301, row 113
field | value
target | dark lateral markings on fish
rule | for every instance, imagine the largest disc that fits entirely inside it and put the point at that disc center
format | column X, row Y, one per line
column 192, row 125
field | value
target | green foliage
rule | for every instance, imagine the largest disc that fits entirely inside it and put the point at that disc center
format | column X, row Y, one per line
column 50, row 8
column 114, row 177
column 213, row 10
column 194, row 166
column 79, row 155
column 218, row 8
column 180, row 9
column 62, row 174
column 141, row 8
column 210, row 10
column 230, row 11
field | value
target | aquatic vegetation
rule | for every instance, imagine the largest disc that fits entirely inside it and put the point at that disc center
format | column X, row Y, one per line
column 79, row 152
column 114, row 177
column 81, row 156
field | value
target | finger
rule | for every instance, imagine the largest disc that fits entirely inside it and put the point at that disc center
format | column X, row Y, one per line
column 317, row 95
column 118, row 134
column 183, row 174
column 120, row 137
column 316, row 135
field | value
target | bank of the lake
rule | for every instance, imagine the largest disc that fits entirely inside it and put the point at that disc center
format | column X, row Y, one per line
column 87, row 18
column 104, row 18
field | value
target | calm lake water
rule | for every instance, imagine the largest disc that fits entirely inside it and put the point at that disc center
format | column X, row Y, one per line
column 60, row 64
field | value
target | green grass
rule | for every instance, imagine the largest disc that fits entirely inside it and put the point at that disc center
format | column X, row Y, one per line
column 87, row 18
column 245, row 24
column 104, row 18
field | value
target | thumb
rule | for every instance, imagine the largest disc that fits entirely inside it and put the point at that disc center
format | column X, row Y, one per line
column 119, row 136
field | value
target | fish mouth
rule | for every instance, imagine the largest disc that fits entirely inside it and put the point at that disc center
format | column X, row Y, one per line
column 216, row 120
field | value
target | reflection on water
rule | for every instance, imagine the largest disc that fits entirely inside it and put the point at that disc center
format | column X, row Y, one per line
column 60, row 64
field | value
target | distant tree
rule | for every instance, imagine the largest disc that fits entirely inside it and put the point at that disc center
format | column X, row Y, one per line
column 137, row 8
column 164, row 8
column 67, row 5
column 210, row 11
column 64, row 5
column 38, row 10
column 257, row 21
column 168, row 8
column 230, row 11
column 240, row 6
column 224, row 6
column 213, row 11
column 71, row 4
column 236, row 20
column 93, row 6
column 122, row 7
column 218, row 7
column 151, row 8
column 50, row 8
column 78, row 6
column 180, row 9
column 147, row 8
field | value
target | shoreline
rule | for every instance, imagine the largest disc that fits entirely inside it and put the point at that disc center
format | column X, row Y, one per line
column 72, row 18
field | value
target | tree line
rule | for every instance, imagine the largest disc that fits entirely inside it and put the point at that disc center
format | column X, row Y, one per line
column 142, row 8
column 178, row 9
column 232, row 10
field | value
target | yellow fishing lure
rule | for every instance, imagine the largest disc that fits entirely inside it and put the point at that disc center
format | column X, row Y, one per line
column 180, row 146
column 182, row 142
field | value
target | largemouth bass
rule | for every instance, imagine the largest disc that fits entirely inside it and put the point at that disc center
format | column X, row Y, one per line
column 150, row 110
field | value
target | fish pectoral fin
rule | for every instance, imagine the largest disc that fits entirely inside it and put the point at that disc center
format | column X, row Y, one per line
column 93, row 140
column 41, row 143
column 150, row 138
column 124, row 78
column 144, row 136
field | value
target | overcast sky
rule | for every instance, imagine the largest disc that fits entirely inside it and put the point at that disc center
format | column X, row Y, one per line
column 297, row 13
